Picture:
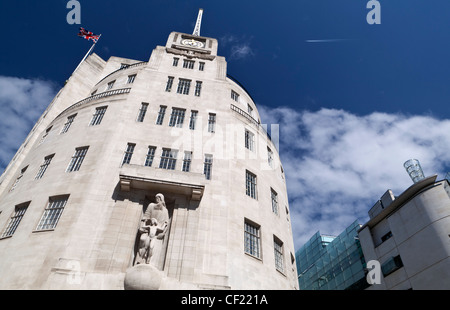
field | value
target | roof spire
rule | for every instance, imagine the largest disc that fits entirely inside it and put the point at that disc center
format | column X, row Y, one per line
column 198, row 24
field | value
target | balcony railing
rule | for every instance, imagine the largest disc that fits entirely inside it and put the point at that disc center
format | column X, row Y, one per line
column 250, row 119
column 124, row 68
column 98, row 96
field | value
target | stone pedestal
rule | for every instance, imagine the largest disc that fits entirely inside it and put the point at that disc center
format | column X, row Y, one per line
column 143, row 277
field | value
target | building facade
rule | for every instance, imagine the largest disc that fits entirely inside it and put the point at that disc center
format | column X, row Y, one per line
column 332, row 263
column 407, row 238
column 154, row 169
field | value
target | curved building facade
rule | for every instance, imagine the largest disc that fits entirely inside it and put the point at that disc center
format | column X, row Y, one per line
column 158, row 168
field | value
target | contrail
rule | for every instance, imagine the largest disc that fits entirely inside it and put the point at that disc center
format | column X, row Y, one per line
column 325, row 40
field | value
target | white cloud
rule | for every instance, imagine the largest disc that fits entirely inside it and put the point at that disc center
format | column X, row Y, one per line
column 239, row 47
column 339, row 164
column 22, row 101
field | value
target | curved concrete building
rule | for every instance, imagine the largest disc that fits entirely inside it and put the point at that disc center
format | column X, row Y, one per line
column 79, row 203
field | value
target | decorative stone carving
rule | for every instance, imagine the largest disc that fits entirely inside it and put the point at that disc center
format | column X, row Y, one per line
column 153, row 228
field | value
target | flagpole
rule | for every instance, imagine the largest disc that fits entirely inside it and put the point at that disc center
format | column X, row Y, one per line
column 87, row 54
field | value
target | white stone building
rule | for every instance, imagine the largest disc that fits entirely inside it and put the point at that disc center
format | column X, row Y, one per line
column 122, row 131
column 408, row 237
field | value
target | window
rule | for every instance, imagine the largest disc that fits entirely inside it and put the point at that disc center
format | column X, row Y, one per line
column 169, row 84
column 98, row 116
column 198, row 88
column 77, row 159
column 183, row 86
column 22, row 172
column 278, row 251
column 249, row 140
column 201, row 66
column 274, row 197
column 175, row 61
column 270, row 157
column 128, row 153
column 161, row 113
column 110, row 85
column 207, row 166
column 142, row 112
column 123, row 66
column 188, row 64
column 212, row 122
column 386, row 236
column 193, row 120
column 45, row 134
column 250, row 185
column 150, row 156
column 14, row 221
column 391, row 265
column 52, row 212
column 168, row 159
column 44, row 167
column 68, row 123
column 249, row 109
column 252, row 239
column 234, row 95
column 131, row 79
column 187, row 161
column 177, row 118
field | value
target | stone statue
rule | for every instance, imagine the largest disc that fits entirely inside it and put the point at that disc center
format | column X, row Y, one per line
column 153, row 227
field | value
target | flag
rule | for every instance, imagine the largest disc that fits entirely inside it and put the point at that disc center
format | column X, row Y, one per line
column 88, row 35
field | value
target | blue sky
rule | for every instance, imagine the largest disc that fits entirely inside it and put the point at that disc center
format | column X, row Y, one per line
column 353, row 100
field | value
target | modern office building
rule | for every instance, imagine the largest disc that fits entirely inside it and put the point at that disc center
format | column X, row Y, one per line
column 332, row 263
column 408, row 236
column 150, row 174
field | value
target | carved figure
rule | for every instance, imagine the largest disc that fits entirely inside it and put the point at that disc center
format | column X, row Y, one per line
column 153, row 227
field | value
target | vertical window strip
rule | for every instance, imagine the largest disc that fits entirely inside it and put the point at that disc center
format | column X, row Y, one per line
column 198, row 88
column 77, row 159
column 150, row 156
column 98, row 116
column 187, row 161
column 207, row 167
column 249, row 140
column 234, row 96
column 161, row 113
column 175, row 62
column 15, row 219
column 44, row 167
column 128, row 153
column 169, row 84
column 142, row 112
column 68, row 123
column 188, row 64
column 110, row 85
column 270, row 157
column 252, row 240
column 193, row 120
column 278, row 252
column 212, row 122
column 52, row 213
column 251, row 185
column 201, row 66
column 177, row 118
column 274, row 197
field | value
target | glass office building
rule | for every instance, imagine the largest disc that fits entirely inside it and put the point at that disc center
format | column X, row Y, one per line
column 332, row 263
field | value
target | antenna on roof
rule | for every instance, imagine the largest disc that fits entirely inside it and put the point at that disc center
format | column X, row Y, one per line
column 198, row 24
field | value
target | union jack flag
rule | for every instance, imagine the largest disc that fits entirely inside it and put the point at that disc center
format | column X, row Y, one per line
column 88, row 35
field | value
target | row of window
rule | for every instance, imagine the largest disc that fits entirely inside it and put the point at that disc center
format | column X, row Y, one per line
column 251, row 190
column 48, row 220
column 252, row 244
column 188, row 64
column 169, row 159
column 56, row 205
column 177, row 117
column 184, row 86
